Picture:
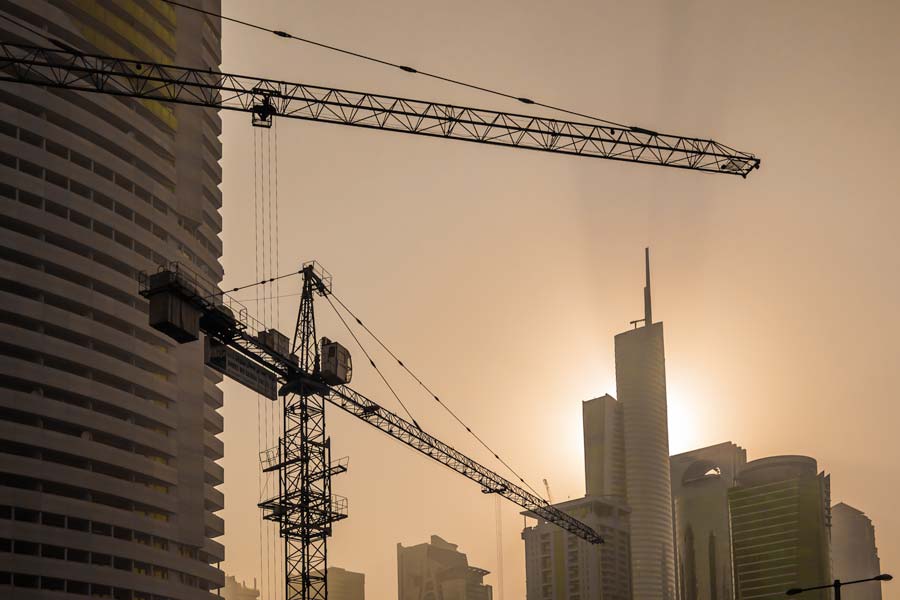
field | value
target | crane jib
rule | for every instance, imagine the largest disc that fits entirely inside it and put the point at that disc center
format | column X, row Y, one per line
column 266, row 98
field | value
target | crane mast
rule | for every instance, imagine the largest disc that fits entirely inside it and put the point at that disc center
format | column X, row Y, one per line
column 268, row 98
column 183, row 305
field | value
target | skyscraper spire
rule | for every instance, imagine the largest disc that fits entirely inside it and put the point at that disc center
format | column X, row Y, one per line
column 648, row 307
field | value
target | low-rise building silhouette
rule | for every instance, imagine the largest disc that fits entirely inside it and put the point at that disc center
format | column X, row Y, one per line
column 561, row 566
column 438, row 571
column 345, row 585
column 234, row 590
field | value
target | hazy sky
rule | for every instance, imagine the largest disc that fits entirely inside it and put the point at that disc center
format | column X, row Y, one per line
column 501, row 276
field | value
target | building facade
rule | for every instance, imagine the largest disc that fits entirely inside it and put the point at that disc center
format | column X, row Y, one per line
column 108, row 429
column 561, row 566
column 854, row 554
column 780, row 522
column 438, row 571
column 604, row 447
column 345, row 585
column 700, row 483
column 641, row 389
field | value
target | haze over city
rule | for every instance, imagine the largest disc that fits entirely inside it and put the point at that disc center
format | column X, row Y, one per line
column 501, row 277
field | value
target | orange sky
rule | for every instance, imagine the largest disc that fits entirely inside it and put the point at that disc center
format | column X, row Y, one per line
column 501, row 276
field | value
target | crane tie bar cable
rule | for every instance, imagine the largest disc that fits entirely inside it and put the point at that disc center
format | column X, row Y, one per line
column 431, row 393
column 405, row 68
column 371, row 361
column 260, row 282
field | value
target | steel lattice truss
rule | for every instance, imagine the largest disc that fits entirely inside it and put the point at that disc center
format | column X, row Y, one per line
column 266, row 98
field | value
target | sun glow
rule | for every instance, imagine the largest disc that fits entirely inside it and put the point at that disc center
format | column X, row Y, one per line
column 684, row 428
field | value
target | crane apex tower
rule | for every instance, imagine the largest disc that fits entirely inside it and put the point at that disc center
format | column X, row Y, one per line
column 641, row 390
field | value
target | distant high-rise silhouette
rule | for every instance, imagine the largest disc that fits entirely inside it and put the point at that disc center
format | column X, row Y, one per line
column 604, row 447
column 626, row 451
column 853, row 552
column 780, row 513
column 641, row 390
column 700, row 483
column 108, row 429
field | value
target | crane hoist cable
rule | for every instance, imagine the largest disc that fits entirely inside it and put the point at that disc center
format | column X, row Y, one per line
column 275, row 312
column 404, row 68
column 428, row 390
column 261, row 479
column 277, row 227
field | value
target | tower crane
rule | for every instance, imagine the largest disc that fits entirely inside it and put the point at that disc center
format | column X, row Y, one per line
column 310, row 372
column 307, row 374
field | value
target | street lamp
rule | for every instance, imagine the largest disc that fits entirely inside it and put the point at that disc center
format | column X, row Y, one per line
column 837, row 585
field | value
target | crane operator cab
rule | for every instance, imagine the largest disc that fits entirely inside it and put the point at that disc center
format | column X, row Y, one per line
column 337, row 366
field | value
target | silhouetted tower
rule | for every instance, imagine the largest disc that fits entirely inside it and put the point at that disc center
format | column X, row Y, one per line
column 641, row 388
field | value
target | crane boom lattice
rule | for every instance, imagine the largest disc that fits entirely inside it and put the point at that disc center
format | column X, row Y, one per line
column 268, row 98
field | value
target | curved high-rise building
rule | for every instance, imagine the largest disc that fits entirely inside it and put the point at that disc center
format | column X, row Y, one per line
column 641, row 390
column 108, row 429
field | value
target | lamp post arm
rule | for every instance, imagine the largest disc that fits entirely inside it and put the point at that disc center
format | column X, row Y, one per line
column 877, row 578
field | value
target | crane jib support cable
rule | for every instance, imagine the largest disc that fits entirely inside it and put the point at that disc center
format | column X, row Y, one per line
column 267, row 98
column 358, row 405
column 421, row 384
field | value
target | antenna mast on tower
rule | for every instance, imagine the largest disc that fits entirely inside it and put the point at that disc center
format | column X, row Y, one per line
column 648, row 307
